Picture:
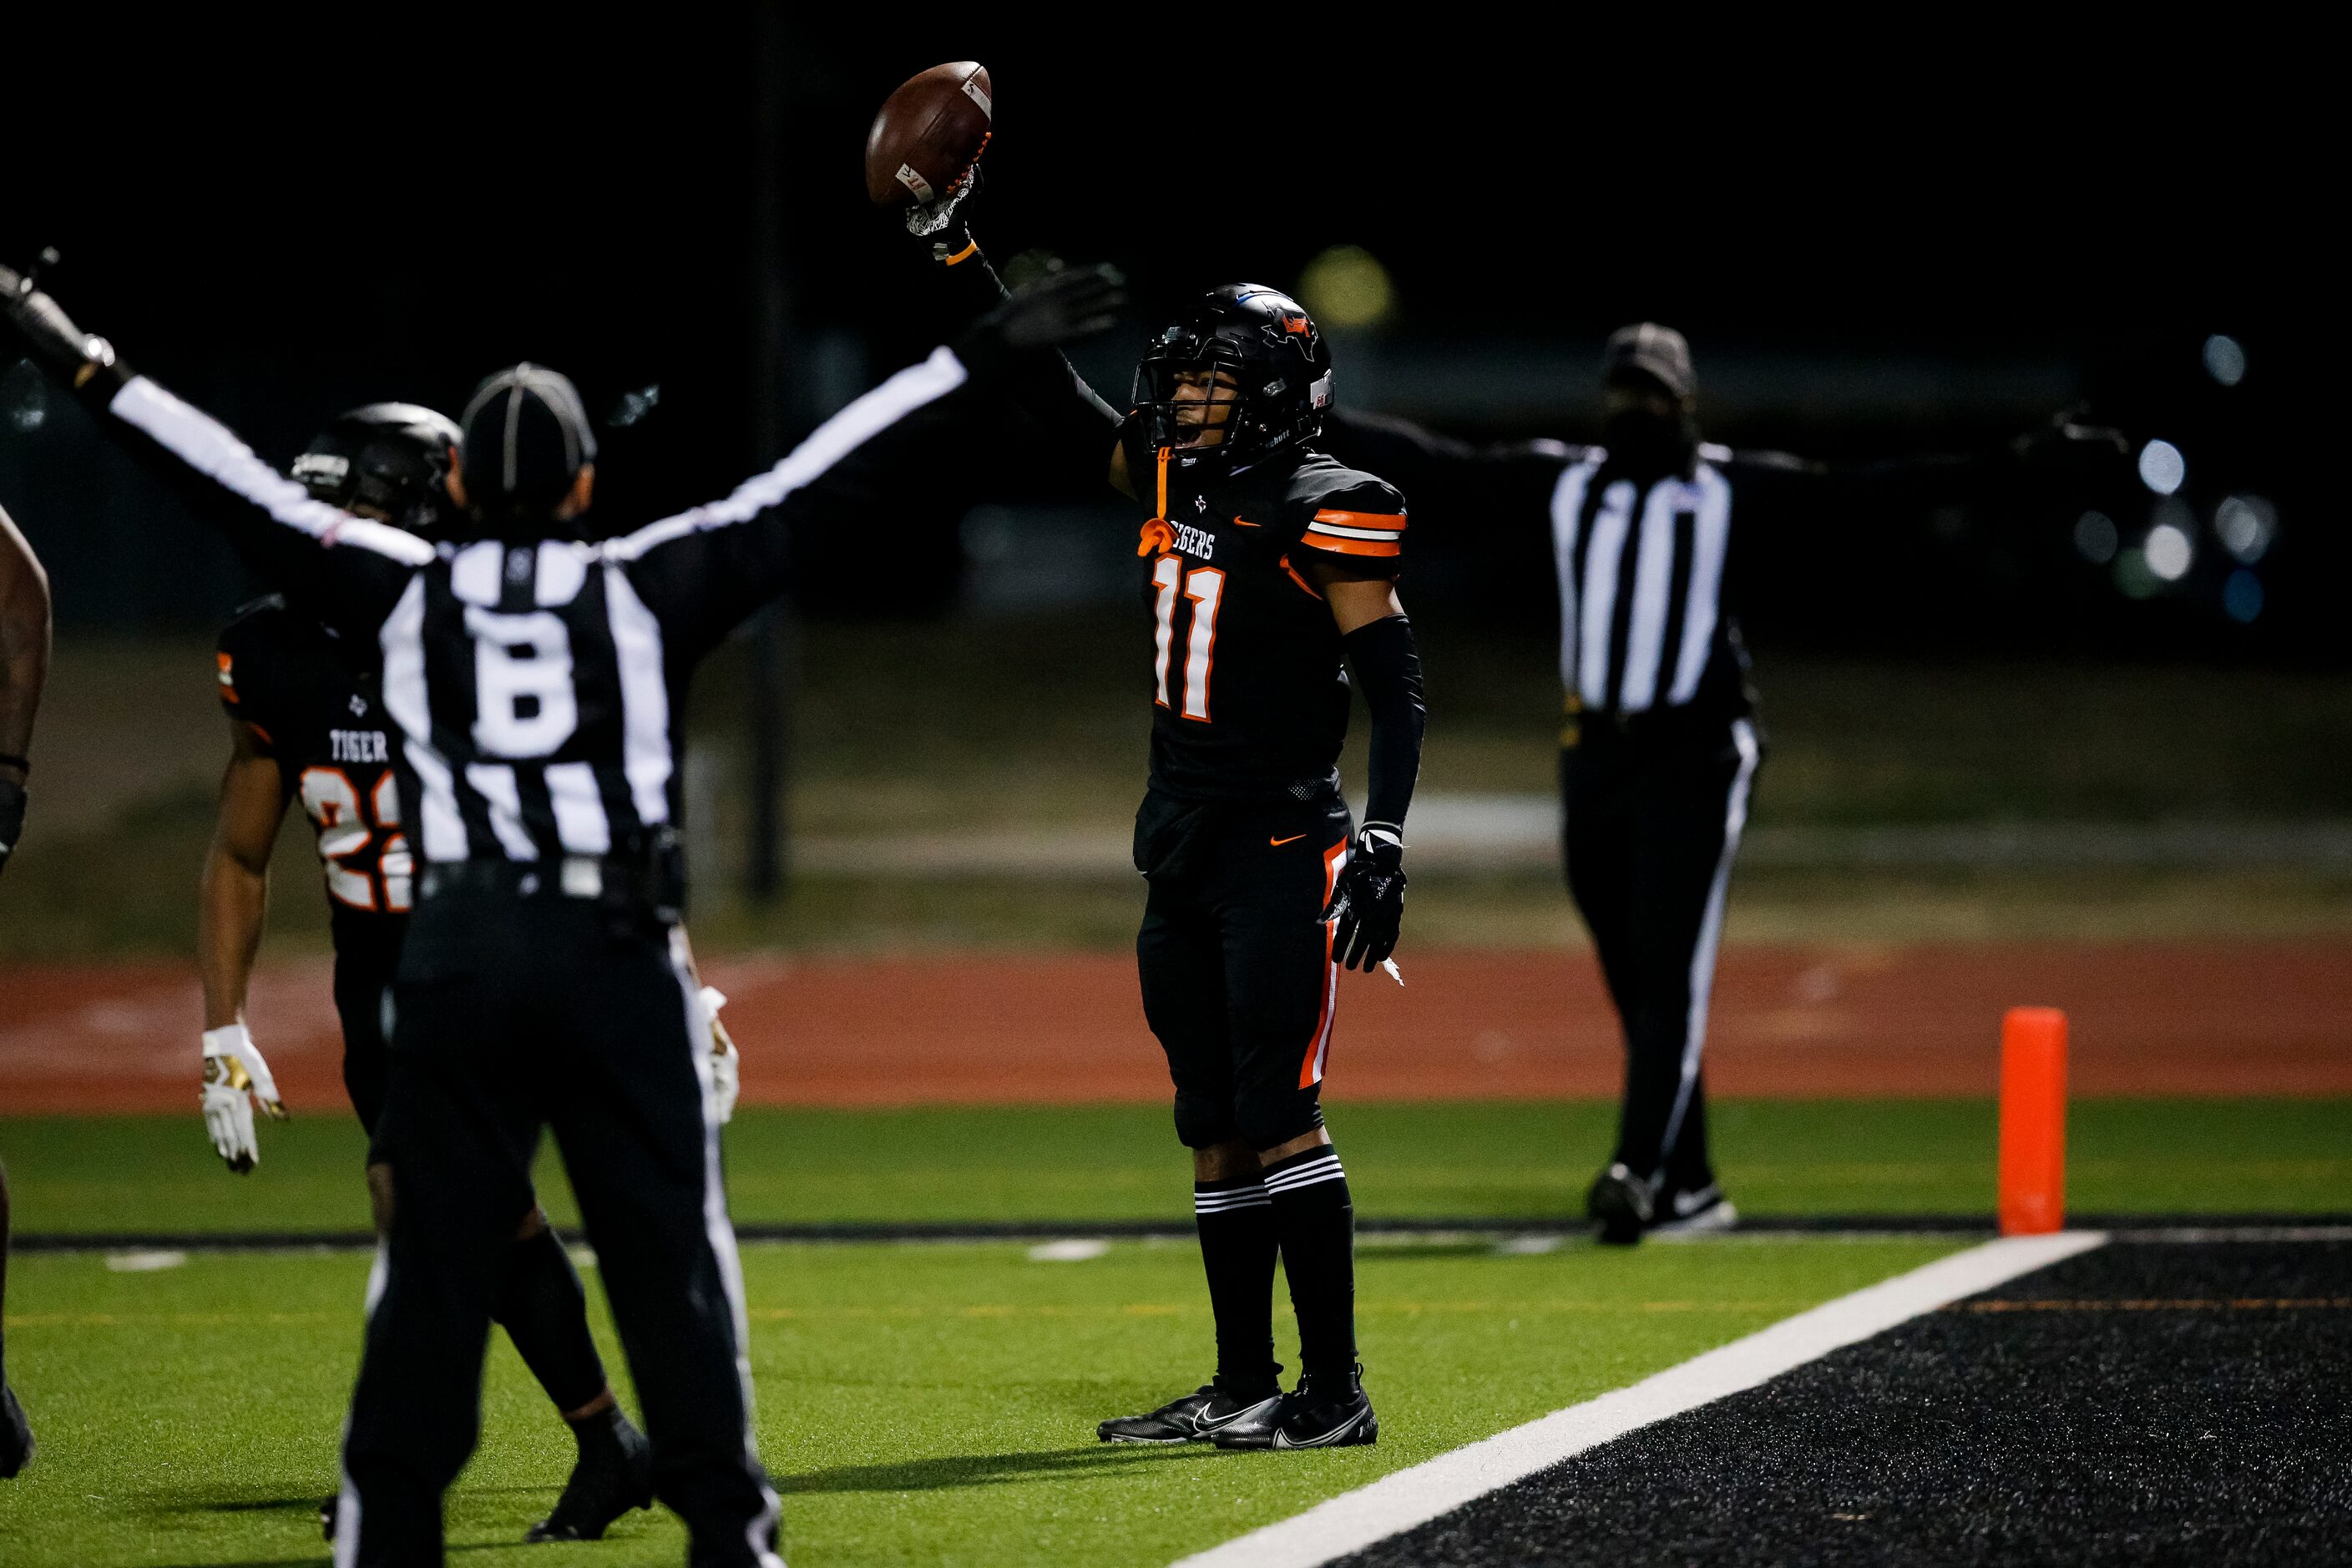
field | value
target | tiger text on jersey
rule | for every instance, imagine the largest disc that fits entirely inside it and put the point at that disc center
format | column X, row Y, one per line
column 1193, row 541
column 358, row 746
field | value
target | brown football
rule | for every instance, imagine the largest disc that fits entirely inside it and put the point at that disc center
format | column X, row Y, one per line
column 929, row 131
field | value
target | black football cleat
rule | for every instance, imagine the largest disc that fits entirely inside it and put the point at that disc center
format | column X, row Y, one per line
column 1622, row 1204
column 1338, row 1416
column 16, row 1434
column 1692, row 1211
column 1196, row 1418
column 329, row 1507
column 616, row 1474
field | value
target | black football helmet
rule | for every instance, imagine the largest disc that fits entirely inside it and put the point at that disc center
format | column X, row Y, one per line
column 388, row 459
column 1267, row 343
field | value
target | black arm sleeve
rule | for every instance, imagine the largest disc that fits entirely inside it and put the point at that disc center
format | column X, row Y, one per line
column 1079, row 426
column 1388, row 672
column 352, row 570
column 701, row 572
column 1508, row 485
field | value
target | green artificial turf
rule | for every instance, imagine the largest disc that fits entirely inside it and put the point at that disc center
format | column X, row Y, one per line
column 925, row 1404
column 1517, row 1159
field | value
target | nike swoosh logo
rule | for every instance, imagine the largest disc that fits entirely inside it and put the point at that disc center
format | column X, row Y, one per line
column 1282, row 1439
column 1246, row 522
column 1244, row 1414
column 1294, row 838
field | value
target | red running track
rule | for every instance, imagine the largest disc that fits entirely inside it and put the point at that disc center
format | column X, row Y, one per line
column 2258, row 1017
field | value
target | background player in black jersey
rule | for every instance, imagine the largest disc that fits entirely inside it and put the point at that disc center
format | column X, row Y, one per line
column 1268, row 570
column 23, row 670
column 306, row 723
column 1661, row 748
column 534, row 666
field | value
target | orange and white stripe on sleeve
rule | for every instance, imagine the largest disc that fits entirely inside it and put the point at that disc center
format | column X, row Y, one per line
column 1356, row 532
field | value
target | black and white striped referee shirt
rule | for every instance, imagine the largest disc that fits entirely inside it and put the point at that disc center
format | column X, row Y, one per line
column 537, row 684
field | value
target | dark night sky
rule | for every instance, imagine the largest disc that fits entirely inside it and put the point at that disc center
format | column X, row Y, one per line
column 282, row 221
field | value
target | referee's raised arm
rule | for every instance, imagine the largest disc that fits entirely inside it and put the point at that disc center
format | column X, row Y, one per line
column 351, row 568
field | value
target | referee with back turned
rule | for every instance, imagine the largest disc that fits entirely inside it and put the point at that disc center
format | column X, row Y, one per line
column 1660, row 748
column 535, row 670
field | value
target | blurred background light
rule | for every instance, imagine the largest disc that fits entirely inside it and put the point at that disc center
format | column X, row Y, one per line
column 24, row 398
column 1348, row 290
column 2242, row 595
column 2097, row 536
column 2162, row 467
column 2170, row 552
column 2225, row 358
column 2245, row 525
column 2133, row 578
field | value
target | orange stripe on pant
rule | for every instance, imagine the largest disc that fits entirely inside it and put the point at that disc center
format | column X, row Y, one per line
column 1318, row 1047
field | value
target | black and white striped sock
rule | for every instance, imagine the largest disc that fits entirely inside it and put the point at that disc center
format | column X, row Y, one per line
column 1315, row 1218
column 1235, row 1219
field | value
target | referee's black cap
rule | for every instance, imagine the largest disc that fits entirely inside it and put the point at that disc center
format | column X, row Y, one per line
column 527, row 436
column 1656, row 352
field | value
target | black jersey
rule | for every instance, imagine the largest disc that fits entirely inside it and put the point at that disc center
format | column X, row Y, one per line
column 1249, row 685
column 315, row 707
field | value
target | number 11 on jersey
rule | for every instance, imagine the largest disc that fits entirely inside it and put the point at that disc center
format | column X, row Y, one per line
column 1205, row 585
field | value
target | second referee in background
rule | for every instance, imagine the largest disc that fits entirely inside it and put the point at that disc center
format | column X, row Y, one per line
column 1660, row 748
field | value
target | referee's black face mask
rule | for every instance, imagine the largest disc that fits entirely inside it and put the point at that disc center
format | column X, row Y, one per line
column 1644, row 430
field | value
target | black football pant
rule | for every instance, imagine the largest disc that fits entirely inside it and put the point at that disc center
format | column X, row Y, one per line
column 1652, row 819
column 514, row 1015
column 1236, row 961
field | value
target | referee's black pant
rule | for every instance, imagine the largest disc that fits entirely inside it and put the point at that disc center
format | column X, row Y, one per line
column 513, row 1015
column 1652, row 814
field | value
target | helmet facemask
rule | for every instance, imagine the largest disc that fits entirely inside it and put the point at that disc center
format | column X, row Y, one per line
column 1266, row 374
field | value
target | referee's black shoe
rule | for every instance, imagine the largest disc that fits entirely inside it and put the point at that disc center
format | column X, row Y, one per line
column 1622, row 1204
column 1196, row 1418
column 1334, row 1413
column 16, row 1434
column 614, row 1475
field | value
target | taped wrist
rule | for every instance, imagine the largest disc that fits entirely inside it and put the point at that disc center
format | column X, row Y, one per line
column 1388, row 672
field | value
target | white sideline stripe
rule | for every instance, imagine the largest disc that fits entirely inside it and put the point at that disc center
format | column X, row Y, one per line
column 1414, row 1495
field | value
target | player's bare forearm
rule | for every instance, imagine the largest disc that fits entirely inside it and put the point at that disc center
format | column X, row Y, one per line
column 1355, row 601
column 24, row 643
column 233, row 897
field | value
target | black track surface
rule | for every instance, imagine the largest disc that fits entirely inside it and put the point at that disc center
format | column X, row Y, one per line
column 2165, row 1401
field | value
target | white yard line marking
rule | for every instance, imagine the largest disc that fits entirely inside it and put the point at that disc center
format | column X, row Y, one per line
column 1397, row 1502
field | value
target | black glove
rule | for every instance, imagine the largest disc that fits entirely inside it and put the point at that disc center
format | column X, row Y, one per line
column 1059, row 307
column 1368, row 900
column 2067, row 445
column 12, row 819
column 48, row 332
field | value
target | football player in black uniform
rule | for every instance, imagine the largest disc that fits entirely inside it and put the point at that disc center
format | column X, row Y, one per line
column 23, row 670
column 306, row 723
column 1267, row 571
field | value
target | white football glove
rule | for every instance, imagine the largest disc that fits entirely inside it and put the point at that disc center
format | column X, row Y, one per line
column 237, row 1081
column 722, row 1068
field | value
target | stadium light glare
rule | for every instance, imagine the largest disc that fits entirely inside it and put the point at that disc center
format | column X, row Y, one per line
column 2162, row 467
column 2096, row 537
column 2225, row 358
column 2245, row 526
column 1348, row 288
column 2170, row 552
column 2242, row 595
